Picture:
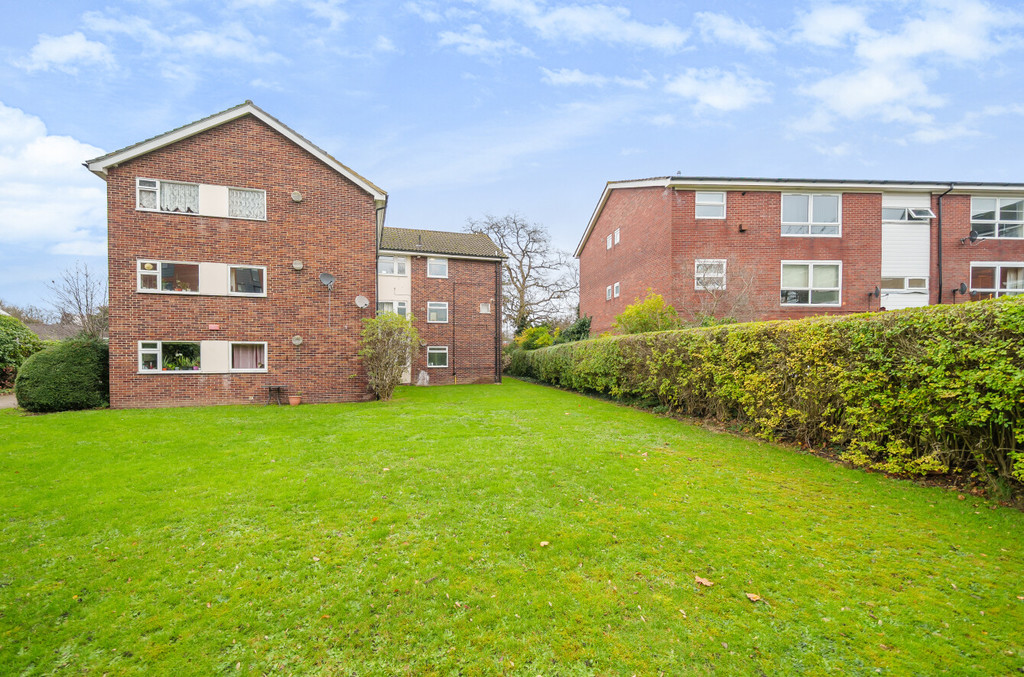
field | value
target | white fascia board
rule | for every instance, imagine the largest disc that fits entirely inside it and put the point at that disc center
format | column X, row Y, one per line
column 100, row 165
column 437, row 255
column 642, row 183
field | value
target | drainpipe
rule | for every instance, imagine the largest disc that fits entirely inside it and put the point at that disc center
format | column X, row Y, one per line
column 451, row 355
column 497, row 322
column 939, row 247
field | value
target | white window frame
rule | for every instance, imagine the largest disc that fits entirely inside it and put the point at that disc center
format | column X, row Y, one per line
column 258, row 370
column 437, row 305
column 996, row 223
column 906, row 288
column 616, row 236
column 159, row 290
column 246, row 190
column 400, row 308
column 810, row 282
column 998, row 265
column 437, row 350
column 434, row 261
column 139, row 188
column 608, row 241
column 615, row 290
column 703, row 198
column 608, row 293
column 395, row 261
column 485, row 308
column 245, row 293
column 159, row 351
column 811, row 224
column 699, row 275
column 908, row 214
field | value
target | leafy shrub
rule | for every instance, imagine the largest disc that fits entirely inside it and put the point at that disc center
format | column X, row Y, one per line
column 70, row 375
column 918, row 391
column 17, row 342
column 651, row 314
column 390, row 341
column 534, row 338
column 577, row 331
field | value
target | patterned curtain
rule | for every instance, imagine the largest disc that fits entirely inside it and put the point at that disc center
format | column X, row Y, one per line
column 179, row 197
column 247, row 204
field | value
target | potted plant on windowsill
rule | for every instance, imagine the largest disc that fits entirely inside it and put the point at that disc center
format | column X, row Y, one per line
column 295, row 399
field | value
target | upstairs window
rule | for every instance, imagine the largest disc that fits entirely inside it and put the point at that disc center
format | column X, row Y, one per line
column 616, row 236
column 998, row 217
column 167, row 196
column 709, row 274
column 247, row 280
column 392, row 265
column 437, row 267
column 615, row 290
column 176, row 197
column 400, row 308
column 906, row 214
column 608, row 293
column 437, row 312
column 171, row 277
column 710, row 205
column 244, row 203
column 608, row 241
column 810, row 214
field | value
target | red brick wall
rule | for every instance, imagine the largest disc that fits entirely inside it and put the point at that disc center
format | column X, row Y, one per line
column 471, row 336
column 331, row 230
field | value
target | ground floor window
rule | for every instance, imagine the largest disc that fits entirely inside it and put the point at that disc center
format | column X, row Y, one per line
column 399, row 307
column 811, row 283
column 909, row 284
column 709, row 274
column 248, row 357
column 437, row 356
column 169, row 356
column 989, row 280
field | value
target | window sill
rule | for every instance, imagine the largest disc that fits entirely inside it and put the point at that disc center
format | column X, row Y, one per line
column 810, row 306
column 836, row 235
column 208, row 216
column 149, row 372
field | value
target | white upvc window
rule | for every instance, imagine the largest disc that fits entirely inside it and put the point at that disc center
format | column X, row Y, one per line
column 437, row 312
column 249, row 357
column 174, row 356
column 247, row 203
column 166, row 196
column 178, row 197
column 615, row 290
column 812, row 283
column 905, row 284
column 616, row 236
column 709, row 205
column 391, row 265
column 400, row 308
column 169, row 277
column 437, row 356
column 991, row 279
column 709, row 274
column 811, row 214
column 907, row 214
column 998, row 217
column 608, row 293
column 485, row 308
column 608, row 241
column 437, row 267
column 247, row 280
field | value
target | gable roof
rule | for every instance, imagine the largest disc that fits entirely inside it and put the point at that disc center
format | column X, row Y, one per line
column 100, row 165
column 415, row 241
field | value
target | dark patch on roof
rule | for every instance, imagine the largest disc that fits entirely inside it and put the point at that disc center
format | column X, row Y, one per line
column 439, row 242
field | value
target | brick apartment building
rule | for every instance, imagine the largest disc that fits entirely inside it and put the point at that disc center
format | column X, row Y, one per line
column 789, row 248
column 222, row 237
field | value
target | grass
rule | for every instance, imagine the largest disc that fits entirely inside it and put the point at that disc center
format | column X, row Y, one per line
column 407, row 538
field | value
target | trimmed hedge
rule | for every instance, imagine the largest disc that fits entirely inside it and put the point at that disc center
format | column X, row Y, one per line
column 73, row 374
column 17, row 343
column 917, row 391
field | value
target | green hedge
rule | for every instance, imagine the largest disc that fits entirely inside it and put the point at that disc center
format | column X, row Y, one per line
column 918, row 391
column 69, row 375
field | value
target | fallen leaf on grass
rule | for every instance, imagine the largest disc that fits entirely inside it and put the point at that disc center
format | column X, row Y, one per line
column 544, row 544
column 753, row 598
column 703, row 581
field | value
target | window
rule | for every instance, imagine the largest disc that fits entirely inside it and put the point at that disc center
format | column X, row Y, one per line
column 166, row 196
column 247, row 280
column 616, row 236
column 437, row 312
column 165, row 276
column 437, row 267
column 810, row 214
column 709, row 274
column 398, row 307
column 998, row 217
column 910, row 284
column 608, row 241
column 437, row 356
column 996, row 279
column 608, row 293
column 615, row 290
column 248, row 357
column 157, row 356
column 710, row 205
column 485, row 308
column 244, row 203
column 393, row 265
column 812, row 283
column 906, row 214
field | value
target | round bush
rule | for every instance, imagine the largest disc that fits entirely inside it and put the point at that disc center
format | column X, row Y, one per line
column 17, row 342
column 70, row 375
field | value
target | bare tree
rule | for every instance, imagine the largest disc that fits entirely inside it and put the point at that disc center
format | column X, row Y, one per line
column 540, row 283
column 725, row 289
column 29, row 313
column 81, row 295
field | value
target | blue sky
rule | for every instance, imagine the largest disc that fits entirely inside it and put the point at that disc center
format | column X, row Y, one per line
column 459, row 109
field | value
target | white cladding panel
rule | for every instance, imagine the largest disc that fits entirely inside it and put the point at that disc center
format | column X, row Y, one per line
column 905, row 250
column 213, row 279
column 215, row 356
column 213, row 200
column 895, row 301
column 911, row 200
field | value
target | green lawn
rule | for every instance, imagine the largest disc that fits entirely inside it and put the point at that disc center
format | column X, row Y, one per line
column 408, row 538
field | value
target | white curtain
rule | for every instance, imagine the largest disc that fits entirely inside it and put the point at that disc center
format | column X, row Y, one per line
column 179, row 197
column 247, row 204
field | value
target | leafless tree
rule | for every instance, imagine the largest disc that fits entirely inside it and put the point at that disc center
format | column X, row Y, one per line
column 728, row 292
column 540, row 283
column 80, row 294
column 29, row 313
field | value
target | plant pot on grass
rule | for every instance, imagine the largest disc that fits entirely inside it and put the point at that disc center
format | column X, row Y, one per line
column 295, row 400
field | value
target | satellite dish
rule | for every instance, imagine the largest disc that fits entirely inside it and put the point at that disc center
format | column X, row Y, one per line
column 328, row 280
column 963, row 288
column 362, row 301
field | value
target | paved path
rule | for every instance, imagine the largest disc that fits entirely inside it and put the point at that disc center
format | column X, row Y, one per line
column 8, row 402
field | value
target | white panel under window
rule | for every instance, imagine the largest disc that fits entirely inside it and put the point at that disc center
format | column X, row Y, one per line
column 215, row 356
column 213, row 279
column 213, row 200
column 906, row 249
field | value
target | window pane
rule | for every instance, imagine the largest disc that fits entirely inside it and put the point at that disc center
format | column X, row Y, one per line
column 181, row 356
column 983, row 208
column 794, row 276
column 794, row 230
column 437, row 358
column 892, row 283
column 150, row 360
column 386, row 265
column 149, row 281
column 824, row 230
column 247, row 356
column 794, row 208
column 984, row 229
column 917, row 283
column 385, row 307
column 179, row 197
column 147, row 199
column 179, row 277
column 401, row 309
column 795, row 296
column 715, row 198
column 247, row 280
column 1011, row 278
column 710, row 211
column 438, row 267
column 983, row 277
column 400, row 265
column 826, row 277
column 826, row 209
column 825, row 297
column 1011, row 210
column 1011, row 230
column 893, row 214
column 247, row 204
column 437, row 312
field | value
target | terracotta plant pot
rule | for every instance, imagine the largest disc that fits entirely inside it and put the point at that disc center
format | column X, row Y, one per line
column 294, row 400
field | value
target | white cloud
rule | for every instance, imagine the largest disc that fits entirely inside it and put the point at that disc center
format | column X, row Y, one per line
column 663, row 120
column 574, row 76
column 832, row 25
column 47, row 198
column 384, row 44
column 66, row 53
column 593, row 22
column 895, row 95
column 720, row 90
column 721, row 28
column 329, row 10
column 473, row 41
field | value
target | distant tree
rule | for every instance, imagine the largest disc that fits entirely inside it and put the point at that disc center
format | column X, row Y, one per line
column 577, row 331
column 29, row 313
column 535, row 337
column 17, row 342
column 539, row 282
column 390, row 341
column 650, row 314
column 80, row 294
